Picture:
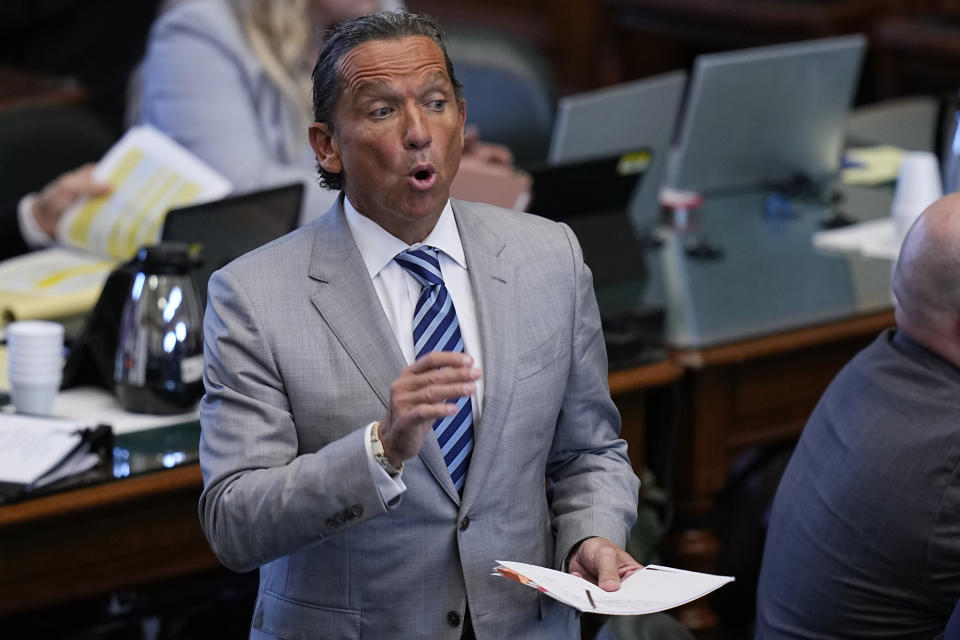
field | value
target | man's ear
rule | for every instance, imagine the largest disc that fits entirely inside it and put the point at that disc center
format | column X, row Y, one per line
column 325, row 146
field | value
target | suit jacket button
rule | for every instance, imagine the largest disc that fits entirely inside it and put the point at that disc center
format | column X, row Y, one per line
column 453, row 618
column 464, row 523
column 332, row 523
column 356, row 510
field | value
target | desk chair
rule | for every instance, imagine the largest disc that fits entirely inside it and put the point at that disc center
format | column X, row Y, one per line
column 509, row 89
column 39, row 142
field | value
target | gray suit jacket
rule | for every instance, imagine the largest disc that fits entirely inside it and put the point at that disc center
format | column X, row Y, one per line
column 300, row 356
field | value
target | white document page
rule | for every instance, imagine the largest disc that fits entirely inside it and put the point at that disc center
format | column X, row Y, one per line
column 653, row 588
column 30, row 447
column 150, row 174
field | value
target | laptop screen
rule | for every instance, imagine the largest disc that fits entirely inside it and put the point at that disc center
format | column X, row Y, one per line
column 226, row 229
column 765, row 114
column 631, row 115
column 593, row 197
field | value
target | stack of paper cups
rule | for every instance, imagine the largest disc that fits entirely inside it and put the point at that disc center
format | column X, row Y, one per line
column 35, row 355
column 918, row 186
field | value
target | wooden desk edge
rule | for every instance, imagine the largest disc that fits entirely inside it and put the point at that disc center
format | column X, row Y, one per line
column 110, row 494
column 784, row 342
column 644, row 377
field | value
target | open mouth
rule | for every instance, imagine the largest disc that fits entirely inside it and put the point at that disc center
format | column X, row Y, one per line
column 423, row 177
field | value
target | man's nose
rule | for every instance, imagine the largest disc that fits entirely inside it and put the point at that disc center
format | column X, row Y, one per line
column 417, row 131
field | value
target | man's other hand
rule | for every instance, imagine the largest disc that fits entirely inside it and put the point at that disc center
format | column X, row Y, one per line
column 603, row 563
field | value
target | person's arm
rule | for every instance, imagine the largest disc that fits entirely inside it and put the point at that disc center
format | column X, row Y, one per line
column 593, row 489
column 32, row 223
column 200, row 87
column 262, row 498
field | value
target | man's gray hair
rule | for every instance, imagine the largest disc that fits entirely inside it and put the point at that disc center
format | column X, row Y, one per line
column 343, row 38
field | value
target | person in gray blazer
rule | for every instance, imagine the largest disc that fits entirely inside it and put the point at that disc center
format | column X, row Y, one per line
column 411, row 387
column 863, row 539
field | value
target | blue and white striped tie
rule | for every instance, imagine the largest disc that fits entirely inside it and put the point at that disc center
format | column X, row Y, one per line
column 435, row 328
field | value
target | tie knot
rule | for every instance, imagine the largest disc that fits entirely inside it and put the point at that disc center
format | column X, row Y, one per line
column 423, row 264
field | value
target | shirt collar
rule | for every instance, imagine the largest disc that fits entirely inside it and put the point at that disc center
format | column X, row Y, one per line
column 378, row 247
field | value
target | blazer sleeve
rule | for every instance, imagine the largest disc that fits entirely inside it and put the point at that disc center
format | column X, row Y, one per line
column 263, row 498
column 593, row 489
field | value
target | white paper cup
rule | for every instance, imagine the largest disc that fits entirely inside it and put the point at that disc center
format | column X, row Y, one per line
column 34, row 398
column 34, row 376
column 35, row 365
column 918, row 186
column 36, row 330
column 35, row 357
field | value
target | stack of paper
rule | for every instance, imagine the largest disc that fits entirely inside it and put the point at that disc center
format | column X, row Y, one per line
column 653, row 588
column 150, row 174
column 37, row 451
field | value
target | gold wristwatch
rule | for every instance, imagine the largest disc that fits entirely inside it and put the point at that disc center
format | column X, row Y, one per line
column 379, row 455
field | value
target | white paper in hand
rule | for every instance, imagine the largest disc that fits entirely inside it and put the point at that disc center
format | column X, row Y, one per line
column 653, row 588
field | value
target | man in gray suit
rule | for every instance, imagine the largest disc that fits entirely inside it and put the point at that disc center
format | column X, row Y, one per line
column 376, row 480
column 864, row 538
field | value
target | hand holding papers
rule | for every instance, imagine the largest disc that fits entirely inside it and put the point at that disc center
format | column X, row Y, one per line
column 649, row 590
column 149, row 174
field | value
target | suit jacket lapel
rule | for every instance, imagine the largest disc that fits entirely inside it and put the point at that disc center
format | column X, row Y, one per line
column 494, row 287
column 349, row 305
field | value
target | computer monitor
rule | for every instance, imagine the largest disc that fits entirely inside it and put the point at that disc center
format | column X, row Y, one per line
column 227, row 228
column 766, row 114
column 592, row 197
column 631, row 115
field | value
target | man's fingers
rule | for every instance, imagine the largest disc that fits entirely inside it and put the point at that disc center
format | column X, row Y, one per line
column 608, row 575
column 438, row 359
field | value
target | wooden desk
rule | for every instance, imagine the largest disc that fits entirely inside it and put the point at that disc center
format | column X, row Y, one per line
column 91, row 541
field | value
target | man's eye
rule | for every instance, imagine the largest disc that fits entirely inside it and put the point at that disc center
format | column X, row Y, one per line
column 437, row 104
column 382, row 112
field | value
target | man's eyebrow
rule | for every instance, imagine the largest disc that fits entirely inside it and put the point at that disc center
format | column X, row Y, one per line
column 362, row 88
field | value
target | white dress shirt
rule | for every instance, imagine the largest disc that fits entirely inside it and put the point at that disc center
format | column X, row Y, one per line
column 398, row 292
column 32, row 234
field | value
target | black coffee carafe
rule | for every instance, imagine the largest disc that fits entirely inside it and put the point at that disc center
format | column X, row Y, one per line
column 158, row 365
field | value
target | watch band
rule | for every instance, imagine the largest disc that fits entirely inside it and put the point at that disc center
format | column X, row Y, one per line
column 377, row 446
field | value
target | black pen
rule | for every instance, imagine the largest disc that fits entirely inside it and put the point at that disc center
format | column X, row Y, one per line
column 590, row 598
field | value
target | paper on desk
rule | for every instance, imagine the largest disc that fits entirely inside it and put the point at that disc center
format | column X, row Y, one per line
column 872, row 239
column 93, row 405
column 101, row 407
column 653, row 588
column 871, row 165
column 150, row 174
column 51, row 283
column 30, row 447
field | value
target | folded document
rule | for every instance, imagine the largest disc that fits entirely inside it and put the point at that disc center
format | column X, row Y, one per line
column 649, row 590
